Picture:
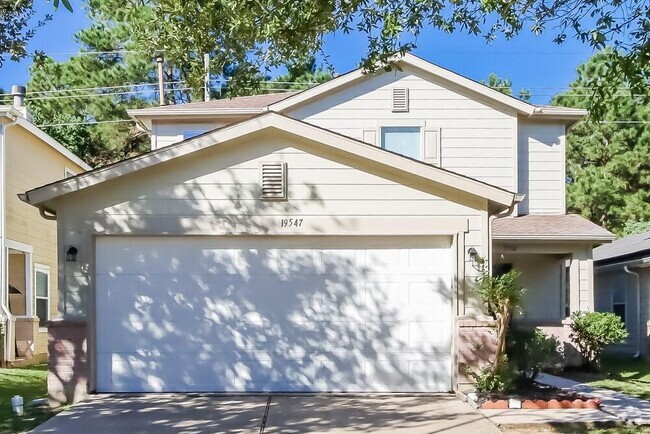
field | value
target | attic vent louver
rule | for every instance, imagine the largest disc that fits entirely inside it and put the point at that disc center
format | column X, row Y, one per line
column 273, row 177
column 400, row 99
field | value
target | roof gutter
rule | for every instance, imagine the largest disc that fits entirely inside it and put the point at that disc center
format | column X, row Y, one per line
column 517, row 198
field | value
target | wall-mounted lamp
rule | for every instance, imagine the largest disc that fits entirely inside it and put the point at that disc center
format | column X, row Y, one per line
column 71, row 254
column 477, row 261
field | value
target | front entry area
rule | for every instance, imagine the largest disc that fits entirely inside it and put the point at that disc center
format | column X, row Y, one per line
column 273, row 313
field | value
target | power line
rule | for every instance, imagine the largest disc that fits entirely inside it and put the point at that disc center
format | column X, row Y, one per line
column 99, row 88
column 65, row 124
column 88, row 95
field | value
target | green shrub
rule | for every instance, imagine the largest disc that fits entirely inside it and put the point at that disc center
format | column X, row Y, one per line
column 502, row 380
column 531, row 351
column 592, row 331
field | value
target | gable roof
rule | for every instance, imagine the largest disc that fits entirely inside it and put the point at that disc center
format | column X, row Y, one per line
column 11, row 113
column 286, row 101
column 631, row 245
column 454, row 79
column 340, row 143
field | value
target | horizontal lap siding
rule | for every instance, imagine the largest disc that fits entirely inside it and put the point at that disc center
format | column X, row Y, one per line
column 470, row 130
column 31, row 163
column 541, row 167
column 219, row 189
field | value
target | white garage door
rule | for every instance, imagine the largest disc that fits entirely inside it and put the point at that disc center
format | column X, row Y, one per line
column 267, row 314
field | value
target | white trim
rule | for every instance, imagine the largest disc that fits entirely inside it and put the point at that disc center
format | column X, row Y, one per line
column 420, row 132
column 17, row 245
column 41, row 268
column 307, row 132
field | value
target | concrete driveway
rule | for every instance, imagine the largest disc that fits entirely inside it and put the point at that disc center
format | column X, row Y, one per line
column 203, row 414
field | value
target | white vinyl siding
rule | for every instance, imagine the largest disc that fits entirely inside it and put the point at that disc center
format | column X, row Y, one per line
column 542, row 174
column 218, row 191
column 475, row 139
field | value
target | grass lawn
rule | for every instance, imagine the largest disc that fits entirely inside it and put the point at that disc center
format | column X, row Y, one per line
column 30, row 383
column 621, row 373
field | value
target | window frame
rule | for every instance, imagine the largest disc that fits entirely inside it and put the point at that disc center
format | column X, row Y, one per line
column 41, row 268
column 420, row 128
column 623, row 303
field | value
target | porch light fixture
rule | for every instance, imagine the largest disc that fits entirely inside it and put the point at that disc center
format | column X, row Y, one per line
column 474, row 257
column 71, row 254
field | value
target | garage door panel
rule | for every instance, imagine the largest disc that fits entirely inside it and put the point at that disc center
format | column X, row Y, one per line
column 172, row 372
column 185, row 314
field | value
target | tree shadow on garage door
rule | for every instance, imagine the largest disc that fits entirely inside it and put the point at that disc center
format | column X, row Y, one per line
column 271, row 314
column 259, row 313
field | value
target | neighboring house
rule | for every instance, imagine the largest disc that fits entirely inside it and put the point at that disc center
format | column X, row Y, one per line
column 622, row 286
column 326, row 240
column 29, row 290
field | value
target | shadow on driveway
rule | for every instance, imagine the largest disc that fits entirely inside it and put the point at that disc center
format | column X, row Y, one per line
column 321, row 413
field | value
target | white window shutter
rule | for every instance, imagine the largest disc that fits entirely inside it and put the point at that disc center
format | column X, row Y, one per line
column 273, row 180
column 370, row 136
column 432, row 145
column 400, row 99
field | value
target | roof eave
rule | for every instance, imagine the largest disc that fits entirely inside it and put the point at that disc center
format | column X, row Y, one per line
column 541, row 237
column 272, row 120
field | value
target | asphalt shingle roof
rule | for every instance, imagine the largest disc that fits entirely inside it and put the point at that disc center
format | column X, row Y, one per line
column 548, row 226
column 631, row 245
column 239, row 102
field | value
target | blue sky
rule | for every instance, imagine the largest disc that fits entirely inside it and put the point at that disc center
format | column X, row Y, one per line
column 532, row 62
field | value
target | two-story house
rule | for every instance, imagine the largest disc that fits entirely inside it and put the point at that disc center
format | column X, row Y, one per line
column 28, row 248
column 324, row 240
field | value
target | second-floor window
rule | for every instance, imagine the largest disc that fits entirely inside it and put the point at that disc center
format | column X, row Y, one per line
column 403, row 140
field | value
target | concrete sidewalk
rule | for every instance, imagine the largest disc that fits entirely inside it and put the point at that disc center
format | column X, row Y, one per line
column 317, row 413
column 625, row 407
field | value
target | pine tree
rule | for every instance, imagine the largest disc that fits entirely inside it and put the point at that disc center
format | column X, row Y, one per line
column 608, row 168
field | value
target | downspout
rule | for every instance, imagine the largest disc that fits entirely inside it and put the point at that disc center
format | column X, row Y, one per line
column 638, row 310
column 4, row 293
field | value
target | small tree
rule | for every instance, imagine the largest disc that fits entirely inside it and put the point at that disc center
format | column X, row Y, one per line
column 502, row 295
column 592, row 331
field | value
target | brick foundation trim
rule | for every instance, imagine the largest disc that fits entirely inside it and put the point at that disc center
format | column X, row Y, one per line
column 477, row 339
column 67, row 376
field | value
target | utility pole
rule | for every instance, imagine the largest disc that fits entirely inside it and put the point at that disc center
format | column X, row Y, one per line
column 206, row 81
column 161, row 79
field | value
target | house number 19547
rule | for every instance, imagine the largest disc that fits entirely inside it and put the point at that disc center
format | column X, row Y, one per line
column 291, row 223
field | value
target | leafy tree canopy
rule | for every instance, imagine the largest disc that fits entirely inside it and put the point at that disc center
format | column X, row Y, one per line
column 101, row 87
column 608, row 169
column 258, row 35
column 17, row 28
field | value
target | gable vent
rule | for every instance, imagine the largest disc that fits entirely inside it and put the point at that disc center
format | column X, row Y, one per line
column 273, row 177
column 400, row 99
